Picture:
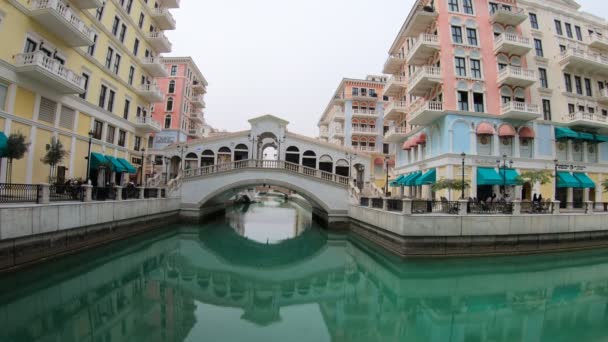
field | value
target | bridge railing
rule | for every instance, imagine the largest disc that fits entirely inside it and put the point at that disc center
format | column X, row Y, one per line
column 266, row 164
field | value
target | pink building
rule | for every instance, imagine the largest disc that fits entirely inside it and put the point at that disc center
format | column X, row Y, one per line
column 181, row 112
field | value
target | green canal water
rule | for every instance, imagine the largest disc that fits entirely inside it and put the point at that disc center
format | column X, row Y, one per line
column 266, row 272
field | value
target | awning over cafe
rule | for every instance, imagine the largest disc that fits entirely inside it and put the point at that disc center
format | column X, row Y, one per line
column 130, row 168
column 428, row 178
column 116, row 165
column 511, row 176
column 97, row 159
column 584, row 180
column 488, row 176
column 566, row 180
column 3, row 145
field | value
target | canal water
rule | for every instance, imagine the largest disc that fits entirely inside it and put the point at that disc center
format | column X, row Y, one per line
column 266, row 272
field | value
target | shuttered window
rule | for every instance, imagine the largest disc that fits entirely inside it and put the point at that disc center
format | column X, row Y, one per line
column 47, row 110
column 66, row 120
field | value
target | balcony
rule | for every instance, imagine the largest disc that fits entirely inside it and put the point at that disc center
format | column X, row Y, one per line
column 516, row 77
column 580, row 119
column 426, row 112
column 393, row 64
column 59, row 19
column 159, row 41
column 520, row 111
column 169, row 3
column 395, row 134
column 508, row 15
column 365, row 113
column 602, row 96
column 358, row 130
column 154, row 67
column 197, row 101
column 337, row 133
column 150, row 92
column 425, row 47
column 584, row 61
column 424, row 80
column 394, row 109
column 323, row 133
column 87, row 4
column 598, row 42
column 194, row 132
column 146, row 124
column 338, row 115
column 364, row 97
column 395, row 85
column 371, row 149
column 164, row 19
column 196, row 115
column 38, row 66
column 420, row 21
column 512, row 44
column 198, row 88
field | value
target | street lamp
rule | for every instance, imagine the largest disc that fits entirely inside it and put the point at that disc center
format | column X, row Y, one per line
column 351, row 157
column 555, row 161
column 88, row 158
column 463, row 155
column 181, row 149
column 280, row 140
column 143, row 166
column 386, row 160
column 504, row 171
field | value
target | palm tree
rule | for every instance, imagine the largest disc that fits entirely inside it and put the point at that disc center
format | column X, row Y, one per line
column 55, row 154
column 16, row 147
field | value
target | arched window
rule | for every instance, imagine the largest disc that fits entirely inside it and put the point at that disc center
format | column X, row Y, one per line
column 168, row 121
column 241, row 152
column 169, row 106
column 207, row 158
column 309, row 159
column 326, row 164
column 292, row 155
column 172, row 87
column 224, row 155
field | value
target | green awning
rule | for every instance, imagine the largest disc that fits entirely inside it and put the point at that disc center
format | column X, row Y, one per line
column 412, row 180
column 428, row 178
column 565, row 133
column 97, row 159
column 511, row 174
column 116, row 165
column 488, row 176
column 586, row 136
column 584, row 180
column 601, row 138
column 566, row 180
column 403, row 182
column 3, row 145
column 130, row 168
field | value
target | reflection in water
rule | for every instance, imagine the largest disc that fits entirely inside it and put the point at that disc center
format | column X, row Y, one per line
column 224, row 283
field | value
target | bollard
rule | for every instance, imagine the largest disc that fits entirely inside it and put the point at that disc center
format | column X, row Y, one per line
column 385, row 204
column 88, row 193
column 142, row 194
column 556, row 205
column 407, row 206
column 589, row 207
column 516, row 207
column 463, row 207
column 44, row 196
column 159, row 193
column 118, row 190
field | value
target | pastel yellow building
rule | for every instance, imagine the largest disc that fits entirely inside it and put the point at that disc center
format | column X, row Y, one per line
column 71, row 68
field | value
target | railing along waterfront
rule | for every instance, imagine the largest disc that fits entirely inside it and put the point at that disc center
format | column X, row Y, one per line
column 104, row 193
column 395, row 205
column 490, row 208
column 151, row 193
column 66, row 193
column 364, row 202
column 19, row 193
column 129, row 193
column 267, row 164
column 536, row 207
column 377, row 203
column 435, row 207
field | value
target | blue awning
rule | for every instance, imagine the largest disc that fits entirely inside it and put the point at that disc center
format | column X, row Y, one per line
column 584, row 180
column 97, row 160
column 565, row 133
column 412, row 180
column 116, row 165
column 428, row 178
column 511, row 176
column 3, row 145
column 130, row 168
column 566, row 180
column 488, row 176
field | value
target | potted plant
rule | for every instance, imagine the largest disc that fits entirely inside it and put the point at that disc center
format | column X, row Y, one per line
column 16, row 147
column 55, row 154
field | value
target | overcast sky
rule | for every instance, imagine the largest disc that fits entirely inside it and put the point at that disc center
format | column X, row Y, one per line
column 287, row 57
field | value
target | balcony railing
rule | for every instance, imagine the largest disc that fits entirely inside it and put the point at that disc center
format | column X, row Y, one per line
column 516, row 76
column 159, row 41
column 515, row 110
column 365, row 112
column 154, row 67
column 164, row 18
column 598, row 41
column 393, row 63
column 148, row 122
column 426, row 112
column 424, row 79
column 508, row 15
column 395, row 131
column 603, row 96
column 365, row 148
column 42, row 67
column 60, row 19
column 580, row 118
column 394, row 85
column 583, row 59
column 151, row 92
column 170, row 3
column 424, row 47
column 512, row 44
column 198, row 101
column 364, row 130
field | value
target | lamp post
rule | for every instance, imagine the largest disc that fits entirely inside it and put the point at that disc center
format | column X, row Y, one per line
column 463, row 155
column 167, row 161
column 555, row 176
column 181, row 149
column 351, row 157
column 280, row 140
column 143, row 166
column 253, row 139
column 91, row 133
column 386, row 161
column 504, row 171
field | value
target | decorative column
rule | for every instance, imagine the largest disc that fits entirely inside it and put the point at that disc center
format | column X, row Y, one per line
column 407, row 206
column 570, row 199
column 118, row 190
column 516, row 152
column 88, row 193
column 44, row 196
column 142, row 192
column 585, row 152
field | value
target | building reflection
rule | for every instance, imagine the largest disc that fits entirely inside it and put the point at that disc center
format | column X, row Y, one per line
column 149, row 291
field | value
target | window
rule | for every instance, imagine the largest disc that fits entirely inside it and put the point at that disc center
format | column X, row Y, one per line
column 558, row 27
column 168, row 121
column 137, row 143
column 591, row 110
column 3, row 91
column 457, row 34
column 30, row 46
column 122, row 138
column 47, row 110
column 581, row 109
column 472, row 36
column 129, row 5
column 173, row 70
column 467, row 5
column 579, row 33
column 111, row 98
column 91, row 48
column 109, row 56
column 534, row 21
column 117, row 64
column 66, row 119
column 123, row 33
column 102, row 96
column 461, row 67
column 578, row 82
column 571, row 108
column 355, row 91
column 569, row 30
column 604, row 112
column 475, row 68
column 568, row 80
column 493, row 7
column 115, row 25
column 172, row 87
column 141, row 20
column 538, row 45
column 478, row 102
column 125, row 112
column 562, row 48
column 463, row 101
column 110, row 134
column 136, row 46
column 85, row 84
column 131, row 74
column 588, row 90
column 169, row 106
column 453, row 5
column 99, row 12
column 97, row 129
column 546, row 110
column 544, row 83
